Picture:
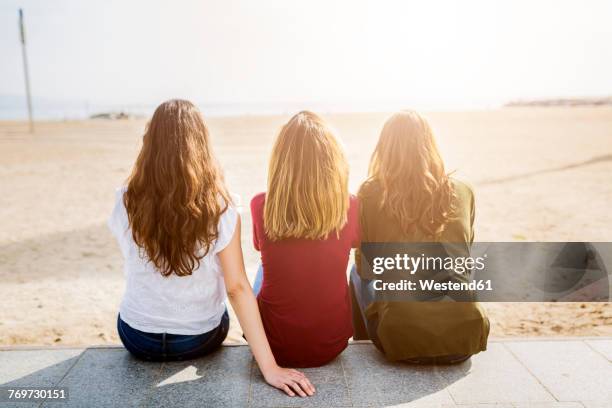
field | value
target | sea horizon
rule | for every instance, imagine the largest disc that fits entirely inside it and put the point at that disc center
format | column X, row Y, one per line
column 16, row 108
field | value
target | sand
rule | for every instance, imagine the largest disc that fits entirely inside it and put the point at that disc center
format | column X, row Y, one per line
column 540, row 174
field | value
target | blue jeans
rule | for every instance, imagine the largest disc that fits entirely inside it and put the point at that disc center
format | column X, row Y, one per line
column 362, row 295
column 168, row 347
column 258, row 280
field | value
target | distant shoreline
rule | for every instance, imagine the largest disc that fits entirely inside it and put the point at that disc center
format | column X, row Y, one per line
column 566, row 102
column 112, row 115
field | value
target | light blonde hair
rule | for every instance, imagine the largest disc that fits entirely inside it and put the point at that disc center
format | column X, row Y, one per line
column 307, row 193
column 175, row 195
column 407, row 164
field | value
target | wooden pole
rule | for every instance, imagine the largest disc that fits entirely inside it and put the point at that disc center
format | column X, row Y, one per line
column 25, row 70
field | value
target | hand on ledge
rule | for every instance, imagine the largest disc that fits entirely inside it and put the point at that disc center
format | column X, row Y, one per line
column 291, row 381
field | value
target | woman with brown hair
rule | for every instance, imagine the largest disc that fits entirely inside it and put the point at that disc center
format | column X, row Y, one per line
column 409, row 198
column 179, row 233
column 305, row 226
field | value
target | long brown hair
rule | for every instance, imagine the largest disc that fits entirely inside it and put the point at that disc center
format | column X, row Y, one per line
column 175, row 194
column 416, row 190
column 307, row 193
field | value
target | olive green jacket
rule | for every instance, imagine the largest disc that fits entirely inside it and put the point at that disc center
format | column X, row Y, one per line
column 408, row 330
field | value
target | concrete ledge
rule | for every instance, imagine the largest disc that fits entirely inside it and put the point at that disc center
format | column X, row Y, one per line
column 518, row 373
column 351, row 342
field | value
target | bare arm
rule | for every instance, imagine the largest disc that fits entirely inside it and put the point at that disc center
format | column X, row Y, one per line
column 244, row 303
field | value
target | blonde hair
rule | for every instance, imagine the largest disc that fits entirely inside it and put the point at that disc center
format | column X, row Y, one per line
column 175, row 195
column 307, row 193
column 407, row 164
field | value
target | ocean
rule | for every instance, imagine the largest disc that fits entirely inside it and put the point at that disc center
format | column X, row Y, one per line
column 15, row 108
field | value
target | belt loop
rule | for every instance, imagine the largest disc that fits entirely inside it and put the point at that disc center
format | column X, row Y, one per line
column 164, row 345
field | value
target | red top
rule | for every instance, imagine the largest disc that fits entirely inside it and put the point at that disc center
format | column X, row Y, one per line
column 304, row 300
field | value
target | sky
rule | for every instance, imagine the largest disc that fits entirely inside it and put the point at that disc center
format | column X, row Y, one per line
column 427, row 53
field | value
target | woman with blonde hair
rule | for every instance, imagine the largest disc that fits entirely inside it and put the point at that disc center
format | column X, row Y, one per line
column 179, row 233
column 305, row 226
column 409, row 198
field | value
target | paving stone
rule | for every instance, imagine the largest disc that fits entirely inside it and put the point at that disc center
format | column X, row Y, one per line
column 571, row 370
column 499, row 405
column 107, row 378
column 514, row 374
column 328, row 380
column 549, row 405
column 220, row 379
column 597, row 404
column 34, row 368
column 420, row 404
column 604, row 347
column 495, row 376
column 373, row 381
column 43, row 368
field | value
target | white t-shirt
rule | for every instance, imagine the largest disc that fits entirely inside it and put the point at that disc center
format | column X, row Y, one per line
column 153, row 303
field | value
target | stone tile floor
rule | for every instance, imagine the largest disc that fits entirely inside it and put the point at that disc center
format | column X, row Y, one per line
column 567, row 373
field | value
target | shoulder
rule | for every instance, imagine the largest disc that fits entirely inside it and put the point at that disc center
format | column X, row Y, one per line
column 119, row 193
column 227, row 223
column 232, row 208
column 368, row 189
column 369, row 193
column 257, row 207
column 462, row 189
column 258, row 201
column 118, row 220
column 464, row 202
column 259, row 198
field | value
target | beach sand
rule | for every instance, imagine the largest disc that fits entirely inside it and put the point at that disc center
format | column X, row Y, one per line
column 539, row 174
